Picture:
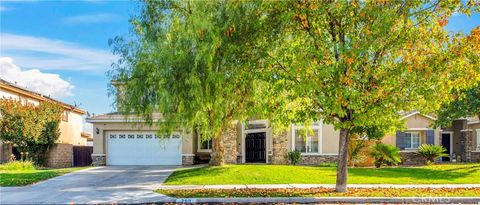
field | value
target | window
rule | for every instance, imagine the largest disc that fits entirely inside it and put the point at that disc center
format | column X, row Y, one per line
column 257, row 124
column 478, row 140
column 412, row 140
column 23, row 101
column 307, row 140
column 206, row 145
column 65, row 116
column 139, row 136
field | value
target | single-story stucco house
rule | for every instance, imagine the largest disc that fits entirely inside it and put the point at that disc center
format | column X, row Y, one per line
column 120, row 140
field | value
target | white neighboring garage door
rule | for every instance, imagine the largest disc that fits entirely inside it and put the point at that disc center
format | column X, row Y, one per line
column 143, row 148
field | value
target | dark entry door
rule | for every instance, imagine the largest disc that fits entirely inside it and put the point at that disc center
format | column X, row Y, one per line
column 446, row 144
column 255, row 148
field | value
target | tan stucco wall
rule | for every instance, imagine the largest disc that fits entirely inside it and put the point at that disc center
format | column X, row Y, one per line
column 70, row 131
column 415, row 123
column 330, row 139
column 16, row 96
column 474, row 128
column 99, row 145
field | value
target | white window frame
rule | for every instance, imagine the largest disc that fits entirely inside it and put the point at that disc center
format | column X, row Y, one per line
column 411, row 140
column 478, row 140
column 316, row 126
column 199, row 143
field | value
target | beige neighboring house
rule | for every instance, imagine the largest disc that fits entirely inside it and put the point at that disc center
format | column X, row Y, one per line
column 70, row 125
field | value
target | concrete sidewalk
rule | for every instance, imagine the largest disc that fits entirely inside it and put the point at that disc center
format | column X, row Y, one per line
column 331, row 200
column 307, row 186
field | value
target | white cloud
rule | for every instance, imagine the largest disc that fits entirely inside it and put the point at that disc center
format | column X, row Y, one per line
column 3, row 8
column 42, row 53
column 91, row 18
column 45, row 83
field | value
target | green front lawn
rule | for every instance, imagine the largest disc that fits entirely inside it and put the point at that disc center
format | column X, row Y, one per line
column 26, row 177
column 286, row 174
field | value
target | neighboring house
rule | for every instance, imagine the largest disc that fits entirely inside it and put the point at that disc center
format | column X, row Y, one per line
column 70, row 125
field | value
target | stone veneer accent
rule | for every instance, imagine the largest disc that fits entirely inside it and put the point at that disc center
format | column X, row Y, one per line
column 188, row 159
column 475, row 156
column 230, row 144
column 99, row 160
column 318, row 159
column 60, row 156
column 466, row 144
column 412, row 158
column 279, row 149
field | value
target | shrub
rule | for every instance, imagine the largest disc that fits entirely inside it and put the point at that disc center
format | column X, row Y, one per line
column 355, row 152
column 385, row 154
column 432, row 152
column 18, row 165
column 294, row 156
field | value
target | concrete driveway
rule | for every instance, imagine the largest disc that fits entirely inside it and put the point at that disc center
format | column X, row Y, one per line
column 112, row 184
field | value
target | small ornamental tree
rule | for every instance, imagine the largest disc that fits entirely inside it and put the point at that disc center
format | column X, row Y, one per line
column 357, row 64
column 33, row 129
column 189, row 60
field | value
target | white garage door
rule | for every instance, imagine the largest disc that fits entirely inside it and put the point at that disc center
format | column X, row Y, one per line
column 143, row 148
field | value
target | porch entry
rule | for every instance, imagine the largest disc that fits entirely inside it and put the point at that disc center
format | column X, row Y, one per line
column 446, row 142
column 255, row 148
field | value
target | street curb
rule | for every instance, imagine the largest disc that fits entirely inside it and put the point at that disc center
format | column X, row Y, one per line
column 313, row 200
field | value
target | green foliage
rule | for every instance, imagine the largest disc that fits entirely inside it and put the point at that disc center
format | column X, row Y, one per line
column 385, row 154
column 190, row 61
column 432, row 152
column 18, row 165
column 294, row 157
column 33, row 129
column 466, row 104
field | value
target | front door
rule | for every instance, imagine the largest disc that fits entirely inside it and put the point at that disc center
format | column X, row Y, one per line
column 446, row 143
column 255, row 148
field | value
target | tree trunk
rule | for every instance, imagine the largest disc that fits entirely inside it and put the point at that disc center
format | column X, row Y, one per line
column 342, row 172
column 218, row 152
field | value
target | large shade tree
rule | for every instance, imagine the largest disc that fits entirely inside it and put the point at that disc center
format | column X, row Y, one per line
column 189, row 60
column 358, row 64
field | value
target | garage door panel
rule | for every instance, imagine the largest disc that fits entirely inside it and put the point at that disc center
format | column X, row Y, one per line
column 142, row 148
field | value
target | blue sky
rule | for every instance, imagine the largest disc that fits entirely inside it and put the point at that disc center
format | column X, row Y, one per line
column 69, row 39
column 66, row 44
